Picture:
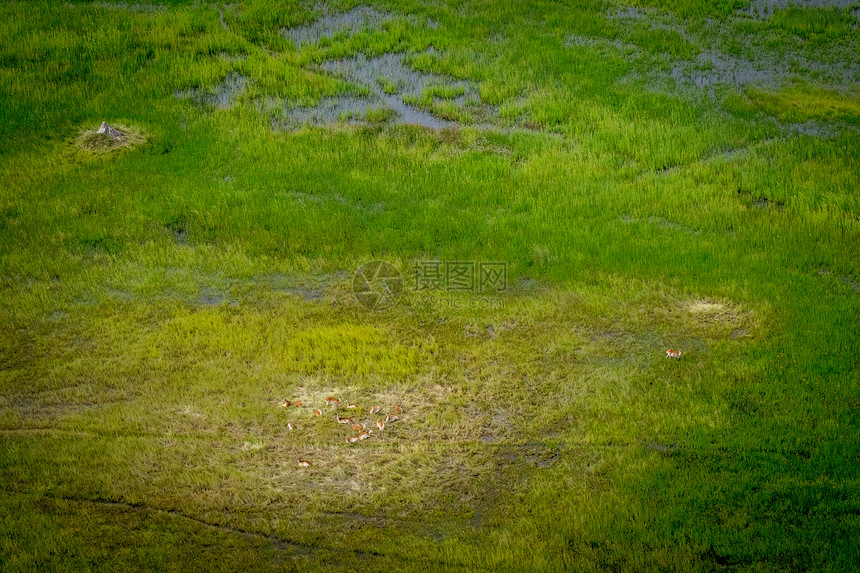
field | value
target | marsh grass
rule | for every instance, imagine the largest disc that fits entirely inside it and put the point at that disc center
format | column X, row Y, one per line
column 160, row 301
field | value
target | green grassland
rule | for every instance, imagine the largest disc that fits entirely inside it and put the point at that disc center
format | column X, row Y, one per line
column 161, row 297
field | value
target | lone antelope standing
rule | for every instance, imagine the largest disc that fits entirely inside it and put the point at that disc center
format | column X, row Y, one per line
column 304, row 463
column 676, row 354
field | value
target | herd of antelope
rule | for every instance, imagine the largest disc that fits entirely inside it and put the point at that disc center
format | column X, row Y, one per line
column 360, row 428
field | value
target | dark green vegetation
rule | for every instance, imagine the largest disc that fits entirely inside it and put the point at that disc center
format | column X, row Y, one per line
column 655, row 176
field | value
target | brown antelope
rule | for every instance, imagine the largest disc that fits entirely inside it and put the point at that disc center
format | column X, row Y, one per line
column 358, row 427
column 343, row 420
column 291, row 426
column 398, row 409
column 317, row 412
column 391, row 418
column 351, row 406
column 676, row 354
column 364, row 435
column 381, row 425
column 375, row 409
column 285, row 404
column 304, row 463
column 352, row 439
column 332, row 401
column 298, row 403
